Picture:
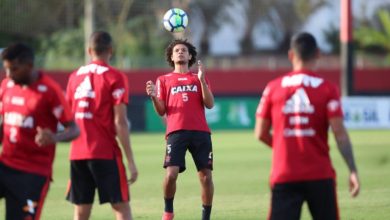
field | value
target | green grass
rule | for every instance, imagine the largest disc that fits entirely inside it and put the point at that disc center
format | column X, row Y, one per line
column 241, row 180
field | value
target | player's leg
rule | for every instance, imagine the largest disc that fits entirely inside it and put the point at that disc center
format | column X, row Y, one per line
column 207, row 192
column 286, row 201
column 322, row 199
column 81, row 189
column 111, row 181
column 24, row 194
column 82, row 211
column 202, row 153
column 122, row 211
column 174, row 164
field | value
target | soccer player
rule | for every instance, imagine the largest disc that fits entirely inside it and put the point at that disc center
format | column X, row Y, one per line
column 182, row 95
column 99, row 95
column 299, row 107
column 31, row 106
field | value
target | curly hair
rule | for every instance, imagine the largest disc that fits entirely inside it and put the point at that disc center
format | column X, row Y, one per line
column 191, row 49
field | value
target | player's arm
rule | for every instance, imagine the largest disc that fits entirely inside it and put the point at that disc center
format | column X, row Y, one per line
column 345, row 147
column 263, row 131
column 45, row 136
column 1, row 129
column 122, row 132
column 159, row 105
column 207, row 95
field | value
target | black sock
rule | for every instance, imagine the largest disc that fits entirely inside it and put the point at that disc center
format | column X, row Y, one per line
column 206, row 211
column 168, row 205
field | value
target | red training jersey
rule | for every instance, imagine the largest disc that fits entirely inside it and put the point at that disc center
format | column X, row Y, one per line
column 93, row 91
column 23, row 109
column 182, row 94
column 299, row 105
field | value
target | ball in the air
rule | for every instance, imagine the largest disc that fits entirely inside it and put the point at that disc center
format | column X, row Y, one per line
column 175, row 20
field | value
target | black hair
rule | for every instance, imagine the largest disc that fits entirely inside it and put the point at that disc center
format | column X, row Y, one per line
column 191, row 49
column 100, row 42
column 18, row 51
column 305, row 46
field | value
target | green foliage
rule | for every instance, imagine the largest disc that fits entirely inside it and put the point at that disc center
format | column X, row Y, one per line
column 63, row 49
column 375, row 39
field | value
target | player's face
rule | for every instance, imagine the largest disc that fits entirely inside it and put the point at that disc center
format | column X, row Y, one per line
column 19, row 72
column 180, row 54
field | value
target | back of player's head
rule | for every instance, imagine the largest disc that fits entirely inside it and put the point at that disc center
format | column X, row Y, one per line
column 18, row 51
column 100, row 42
column 191, row 51
column 304, row 46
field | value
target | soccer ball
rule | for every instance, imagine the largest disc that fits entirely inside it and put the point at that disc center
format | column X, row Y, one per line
column 175, row 20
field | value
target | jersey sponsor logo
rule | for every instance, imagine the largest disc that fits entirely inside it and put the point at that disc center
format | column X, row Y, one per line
column 298, row 103
column 18, row 120
column 17, row 100
column 298, row 120
column 42, row 88
column 84, row 90
column 92, row 68
column 83, row 115
column 182, row 79
column 118, row 93
column 301, row 79
column 83, row 104
column 184, row 88
column 299, row 132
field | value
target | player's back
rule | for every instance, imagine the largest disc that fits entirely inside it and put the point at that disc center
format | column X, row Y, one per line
column 302, row 103
column 93, row 90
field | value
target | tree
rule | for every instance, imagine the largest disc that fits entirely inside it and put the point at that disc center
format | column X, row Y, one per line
column 375, row 37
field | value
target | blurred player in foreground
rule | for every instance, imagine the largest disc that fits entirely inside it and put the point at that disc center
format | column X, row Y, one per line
column 182, row 95
column 31, row 107
column 299, row 107
column 99, row 95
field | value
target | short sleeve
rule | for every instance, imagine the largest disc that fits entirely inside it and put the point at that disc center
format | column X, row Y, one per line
column 69, row 92
column 264, row 107
column 59, row 106
column 160, row 86
column 120, row 89
column 334, row 106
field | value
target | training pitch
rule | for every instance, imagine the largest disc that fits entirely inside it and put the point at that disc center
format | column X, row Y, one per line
column 241, row 171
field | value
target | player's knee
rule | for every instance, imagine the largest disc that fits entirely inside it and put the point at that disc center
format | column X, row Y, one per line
column 171, row 177
column 206, row 180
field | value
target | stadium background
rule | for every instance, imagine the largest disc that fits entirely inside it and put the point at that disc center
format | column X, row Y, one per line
column 243, row 44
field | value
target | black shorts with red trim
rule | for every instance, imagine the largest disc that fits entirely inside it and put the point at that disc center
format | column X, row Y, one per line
column 24, row 193
column 287, row 200
column 197, row 142
column 107, row 176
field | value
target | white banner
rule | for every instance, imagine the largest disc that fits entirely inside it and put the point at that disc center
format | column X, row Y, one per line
column 366, row 112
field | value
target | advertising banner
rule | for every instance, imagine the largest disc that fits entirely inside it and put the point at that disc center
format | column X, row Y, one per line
column 239, row 113
column 366, row 112
column 227, row 113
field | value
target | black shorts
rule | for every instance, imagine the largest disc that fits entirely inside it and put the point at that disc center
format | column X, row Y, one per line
column 320, row 195
column 197, row 142
column 107, row 176
column 24, row 193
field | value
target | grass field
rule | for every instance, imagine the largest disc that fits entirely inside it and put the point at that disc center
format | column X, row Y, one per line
column 240, row 177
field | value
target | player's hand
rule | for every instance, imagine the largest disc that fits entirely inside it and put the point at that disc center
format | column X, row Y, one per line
column 133, row 173
column 150, row 89
column 201, row 74
column 354, row 184
column 44, row 137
